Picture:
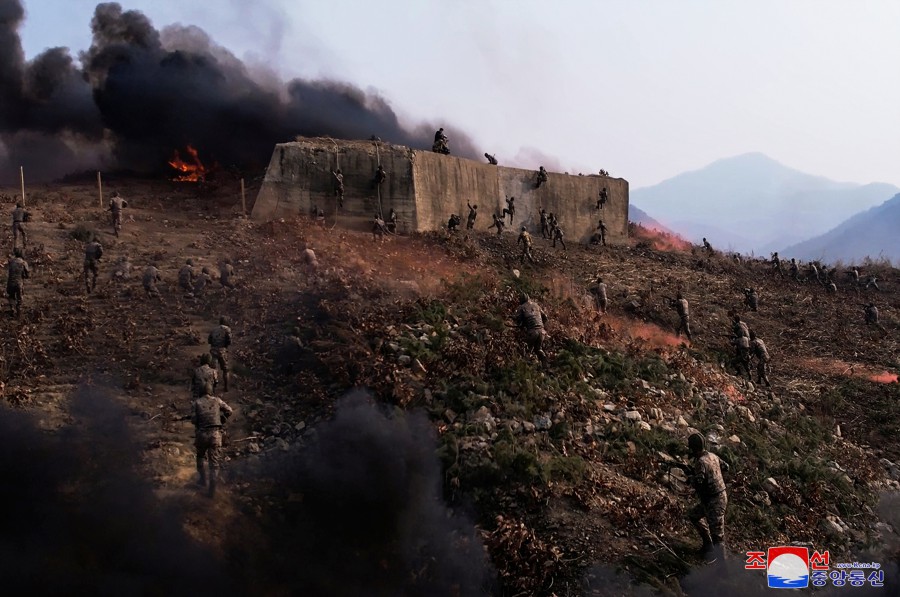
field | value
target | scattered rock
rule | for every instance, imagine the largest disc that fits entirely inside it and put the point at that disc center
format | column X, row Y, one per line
column 681, row 422
column 734, row 440
column 831, row 527
column 404, row 359
column 771, row 485
column 633, row 416
column 528, row 427
column 610, row 408
column 300, row 426
column 644, row 426
column 450, row 416
column 762, row 498
column 542, row 422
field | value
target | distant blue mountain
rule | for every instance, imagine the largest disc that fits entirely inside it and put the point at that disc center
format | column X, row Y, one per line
column 752, row 203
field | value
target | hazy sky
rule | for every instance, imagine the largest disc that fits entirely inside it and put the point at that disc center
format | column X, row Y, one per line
column 645, row 89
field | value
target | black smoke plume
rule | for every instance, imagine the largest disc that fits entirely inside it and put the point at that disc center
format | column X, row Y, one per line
column 372, row 522
column 75, row 518
column 139, row 94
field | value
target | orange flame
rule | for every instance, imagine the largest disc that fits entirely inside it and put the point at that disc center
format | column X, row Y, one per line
column 191, row 171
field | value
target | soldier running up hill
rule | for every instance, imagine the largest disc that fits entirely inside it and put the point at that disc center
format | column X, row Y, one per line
column 708, row 517
column 226, row 273
column 758, row 348
column 186, row 276
column 598, row 290
column 219, row 340
column 93, row 252
column 526, row 242
column 19, row 217
column 751, row 299
column 17, row 272
column 681, row 306
column 208, row 414
column 149, row 280
column 204, row 374
column 116, row 204
column 532, row 319
column 776, row 264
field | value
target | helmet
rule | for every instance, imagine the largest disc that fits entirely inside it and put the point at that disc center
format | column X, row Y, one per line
column 190, row 262
column 599, row 278
column 205, row 270
column 18, row 204
column 696, row 443
column 523, row 228
column 523, row 298
column 752, row 335
column 205, row 359
column 223, row 320
column 17, row 251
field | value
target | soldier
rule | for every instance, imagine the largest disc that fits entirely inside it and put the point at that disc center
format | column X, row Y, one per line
column 17, row 272
column 473, row 213
column 93, row 251
column 708, row 517
column 738, row 327
column 531, row 318
column 602, row 199
column 19, row 217
column 853, row 274
column 742, row 354
column 795, row 270
column 186, row 276
column 122, row 269
column 226, row 273
column 491, row 159
column 510, row 209
column 319, row 216
column 116, row 204
column 308, row 258
column 599, row 292
column 776, row 264
column 545, row 226
column 378, row 229
column 204, row 374
column 208, row 414
column 872, row 281
column 871, row 313
column 219, row 340
column 499, row 223
column 525, row 240
column 541, row 177
column 202, row 280
column 558, row 236
column 751, row 299
column 831, row 288
column 392, row 222
column 814, row 272
column 453, row 223
column 758, row 347
column 680, row 304
column 708, row 247
column 339, row 186
column 380, row 175
column 553, row 222
column 441, row 142
column 149, row 280
column 601, row 232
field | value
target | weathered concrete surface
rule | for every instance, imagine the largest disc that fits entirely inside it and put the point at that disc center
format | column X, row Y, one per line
column 425, row 188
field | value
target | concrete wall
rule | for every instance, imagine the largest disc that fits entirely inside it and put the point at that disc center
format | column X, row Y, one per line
column 425, row 188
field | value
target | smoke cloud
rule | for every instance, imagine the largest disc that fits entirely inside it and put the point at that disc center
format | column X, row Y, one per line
column 372, row 521
column 139, row 93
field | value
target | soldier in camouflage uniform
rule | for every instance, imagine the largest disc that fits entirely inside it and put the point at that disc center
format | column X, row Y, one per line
column 93, row 251
column 308, row 258
column 219, row 340
column 742, row 354
column 17, row 272
column 380, row 175
column 708, row 247
column 339, row 186
column 871, row 314
column 545, row 224
column 116, row 204
column 226, row 273
column 525, row 240
column 708, row 517
column 558, row 235
column 602, row 198
column 738, row 327
column 208, row 414
column 600, row 235
column 814, row 272
column 379, row 228
column 186, row 276
column 758, row 348
column 510, row 209
column 541, row 177
column 853, row 274
column 150, row 279
column 776, row 264
column 680, row 304
column 470, row 219
column 872, row 281
column 531, row 318
column 453, row 223
column 751, row 298
column 795, row 270
column 19, row 217
column 598, row 290
column 490, row 158
column 499, row 223
column 204, row 374
column 202, row 281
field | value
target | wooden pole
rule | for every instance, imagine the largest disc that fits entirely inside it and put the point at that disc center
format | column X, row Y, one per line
column 100, row 188
column 243, row 199
column 22, row 178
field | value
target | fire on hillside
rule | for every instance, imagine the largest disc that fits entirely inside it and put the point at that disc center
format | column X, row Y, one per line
column 191, row 170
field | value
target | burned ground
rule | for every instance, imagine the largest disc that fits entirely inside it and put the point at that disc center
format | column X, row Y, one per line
column 540, row 478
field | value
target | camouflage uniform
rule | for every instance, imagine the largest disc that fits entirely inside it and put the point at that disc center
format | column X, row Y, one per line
column 558, row 236
column 115, row 206
column 742, row 357
column 203, row 375
column 871, row 313
column 93, row 251
column 532, row 318
column 739, row 328
column 202, row 280
column 708, row 517
column 151, row 277
column 378, row 228
column 795, row 270
column 510, row 209
column 872, row 281
column 708, row 247
column 601, row 233
column 219, row 340
column 680, row 304
column 545, row 226
column 762, row 360
column 208, row 414
column 19, row 217
column 392, row 222
column 541, row 177
column 599, row 292
column 473, row 213
column 814, row 272
column 186, row 276
column 602, row 199
column 339, row 186
column 499, row 223
column 751, row 298
column 525, row 240
column 854, row 277
column 226, row 274
column 308, row 258
column 776, row 264
column 491, row 159
column 17, row 271
column 380, row 175
column 453, row 223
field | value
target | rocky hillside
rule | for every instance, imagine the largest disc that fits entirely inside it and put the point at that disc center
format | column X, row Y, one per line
column 409, row 444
